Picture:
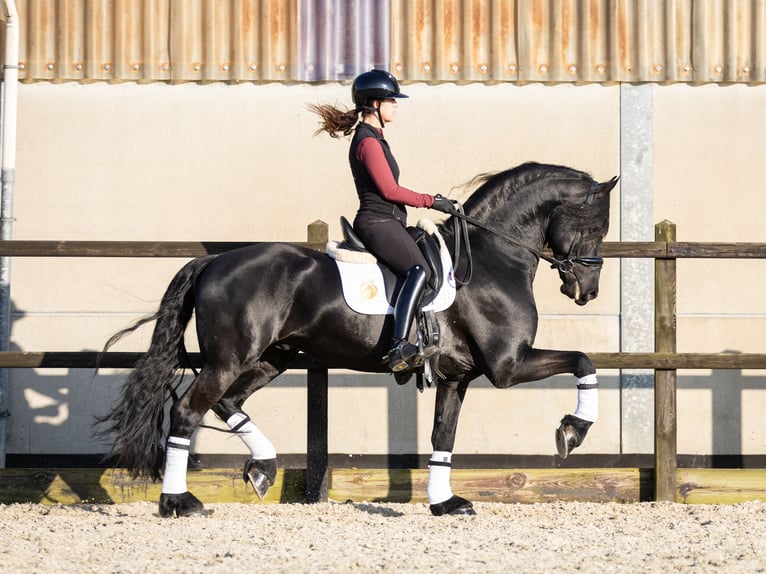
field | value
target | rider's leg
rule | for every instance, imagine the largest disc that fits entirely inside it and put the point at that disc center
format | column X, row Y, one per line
column 389, row 241
column 403, row 354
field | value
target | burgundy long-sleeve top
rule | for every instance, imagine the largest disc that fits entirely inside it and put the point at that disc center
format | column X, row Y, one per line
column 370, row 153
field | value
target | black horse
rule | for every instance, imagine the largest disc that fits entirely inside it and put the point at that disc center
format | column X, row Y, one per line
column 257, row 307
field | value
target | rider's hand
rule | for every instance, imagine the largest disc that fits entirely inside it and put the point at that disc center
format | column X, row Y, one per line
column 443, row 204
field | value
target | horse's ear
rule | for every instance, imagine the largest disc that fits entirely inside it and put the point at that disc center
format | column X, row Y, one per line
column 608, row 186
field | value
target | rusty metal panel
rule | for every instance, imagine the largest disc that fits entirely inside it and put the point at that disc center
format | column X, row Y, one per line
column 726, row 36
column 453, row 40
column 758, row 69
column 709, row 57
column 534, row 36
column 39, row 51
column 477, row 43
column 156, row 26
column 412, row 27
column 595, row 45
column 157, row 40
column 582, row 40
column 678, row 50
column 695, row 41
column 128, row 40
column 447, row 59
column 504, row 62
column 216, row 40
column 278, row 24
column 70, row 40
column 99, row 47
column 186, row 40
column 246, row 38
column 639, row 40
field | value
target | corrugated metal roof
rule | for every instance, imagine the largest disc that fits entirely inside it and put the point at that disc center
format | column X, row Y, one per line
column 694, row 41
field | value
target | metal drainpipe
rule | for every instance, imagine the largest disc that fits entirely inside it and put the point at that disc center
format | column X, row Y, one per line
column 8, row 174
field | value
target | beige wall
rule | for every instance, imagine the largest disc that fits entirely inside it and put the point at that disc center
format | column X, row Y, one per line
column 239, row 163
column 710, row 142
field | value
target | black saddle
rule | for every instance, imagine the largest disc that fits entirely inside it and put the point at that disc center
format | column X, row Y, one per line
column 428, row 245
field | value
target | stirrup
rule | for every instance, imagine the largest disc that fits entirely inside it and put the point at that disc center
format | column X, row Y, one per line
column 402, row 356
column 406, row 356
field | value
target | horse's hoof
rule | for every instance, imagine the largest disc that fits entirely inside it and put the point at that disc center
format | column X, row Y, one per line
column 179, row 505
column 455, row 506
column 562, row 442
column 570, row 434
column 261, row 474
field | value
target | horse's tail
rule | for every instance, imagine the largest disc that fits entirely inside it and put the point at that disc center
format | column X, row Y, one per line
column 134, row 425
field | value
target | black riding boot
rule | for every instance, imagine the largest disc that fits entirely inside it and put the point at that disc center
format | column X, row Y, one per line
column 403, row 354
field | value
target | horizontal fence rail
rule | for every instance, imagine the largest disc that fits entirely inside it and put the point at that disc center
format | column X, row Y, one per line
column 128, row 360
column 17, row 248
column 630, row 249
column 665, row 361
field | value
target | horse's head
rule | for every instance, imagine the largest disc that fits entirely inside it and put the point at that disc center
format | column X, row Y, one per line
column 575, row 234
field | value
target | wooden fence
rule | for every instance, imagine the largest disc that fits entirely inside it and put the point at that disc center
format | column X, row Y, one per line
column 665, row 361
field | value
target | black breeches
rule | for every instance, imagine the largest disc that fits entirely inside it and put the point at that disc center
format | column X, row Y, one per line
column 389, row 241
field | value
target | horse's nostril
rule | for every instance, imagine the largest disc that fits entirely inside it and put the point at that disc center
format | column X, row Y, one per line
column 587, row 296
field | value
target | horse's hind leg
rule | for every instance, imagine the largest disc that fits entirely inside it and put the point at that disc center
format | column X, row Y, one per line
column 185, row 416
column 261, row 469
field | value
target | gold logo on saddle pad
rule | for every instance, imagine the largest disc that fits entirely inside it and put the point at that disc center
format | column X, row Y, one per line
column 368, row 289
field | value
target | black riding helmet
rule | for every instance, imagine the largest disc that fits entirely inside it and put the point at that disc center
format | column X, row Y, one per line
column 374, row 85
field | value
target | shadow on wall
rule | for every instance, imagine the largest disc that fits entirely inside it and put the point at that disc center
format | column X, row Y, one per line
column 48, row 406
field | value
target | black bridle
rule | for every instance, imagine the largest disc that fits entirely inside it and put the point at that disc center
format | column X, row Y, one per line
column 565, row 265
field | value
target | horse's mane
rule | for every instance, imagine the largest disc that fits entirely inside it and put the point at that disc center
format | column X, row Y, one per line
column 523, row 175
column 492, row 186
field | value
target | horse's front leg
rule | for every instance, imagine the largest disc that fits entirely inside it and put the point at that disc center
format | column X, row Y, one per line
column 541, row 363
column 449, row 399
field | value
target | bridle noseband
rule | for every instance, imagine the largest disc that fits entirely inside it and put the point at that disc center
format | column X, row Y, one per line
column 567, row 265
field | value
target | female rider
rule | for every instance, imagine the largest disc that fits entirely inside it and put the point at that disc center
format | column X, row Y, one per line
column 382, row 218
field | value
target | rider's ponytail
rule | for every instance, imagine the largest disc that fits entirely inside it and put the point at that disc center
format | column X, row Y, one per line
column 335, row 121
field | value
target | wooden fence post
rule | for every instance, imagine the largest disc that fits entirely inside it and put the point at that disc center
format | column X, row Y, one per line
column 665, row 380
column 318, row 232
column 316, row 436
column 316, row 404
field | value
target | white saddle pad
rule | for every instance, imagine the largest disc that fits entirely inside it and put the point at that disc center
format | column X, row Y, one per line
column 362, row 281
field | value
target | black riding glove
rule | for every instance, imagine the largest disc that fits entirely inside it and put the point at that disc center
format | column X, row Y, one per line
column 443, row 204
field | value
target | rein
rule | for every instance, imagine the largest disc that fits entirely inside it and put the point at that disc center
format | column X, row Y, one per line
column 564, row 265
